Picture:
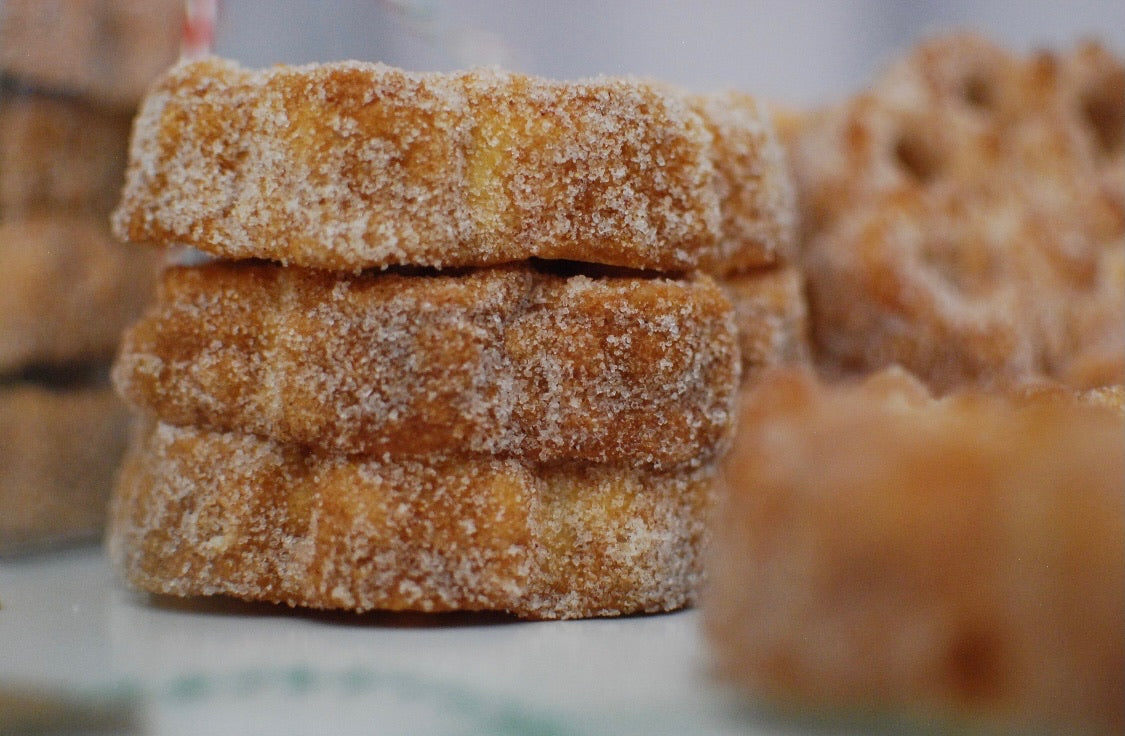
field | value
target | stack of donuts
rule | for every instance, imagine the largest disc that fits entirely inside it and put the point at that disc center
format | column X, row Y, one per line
column 464, row 341
column 71, row 76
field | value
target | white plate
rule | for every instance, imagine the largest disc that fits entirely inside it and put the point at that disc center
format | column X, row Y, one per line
column 69, row 630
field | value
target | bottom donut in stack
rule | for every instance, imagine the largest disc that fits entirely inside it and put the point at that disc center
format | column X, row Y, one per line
column 524, row 438
column 201, row 512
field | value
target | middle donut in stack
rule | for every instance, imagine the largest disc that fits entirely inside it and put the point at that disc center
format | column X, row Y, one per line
column 460, row 349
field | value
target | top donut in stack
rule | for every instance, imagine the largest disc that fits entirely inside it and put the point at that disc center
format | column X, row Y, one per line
column 462, row 345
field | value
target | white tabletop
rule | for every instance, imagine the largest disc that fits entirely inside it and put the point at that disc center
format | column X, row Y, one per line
column 70, row 630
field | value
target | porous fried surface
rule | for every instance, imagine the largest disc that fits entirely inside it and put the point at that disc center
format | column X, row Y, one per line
column 206, row 513
column 59, row 448
column 106, row 50
column 771, row 317
column 59, row 153
column 965, row 217
column 352, row 165
column 879, row 551
column 1097, row 356
column 67, row 289
column 510, row 361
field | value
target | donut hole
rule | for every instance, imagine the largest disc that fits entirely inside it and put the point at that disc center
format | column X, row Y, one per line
column 917, row 158
column 974, row 663
column 1103, row 114
column 978, row 92
column 968, row 268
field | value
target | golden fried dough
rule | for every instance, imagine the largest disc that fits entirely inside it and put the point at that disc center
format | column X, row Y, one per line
column 59, row 153
column 350, row 165
column 108, row 50
column 1112, row 397
column 509, row 361
column 771, row 317
column 755, row 190
column 204, row 513
column 957, row 561
column 790, row 121
column 59, row 448
column 1096, row 345
column 963, row 217
column 67, row 289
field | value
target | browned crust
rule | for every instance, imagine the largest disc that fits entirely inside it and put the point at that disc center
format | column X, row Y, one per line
column 349, row 166
column 59, row 450
column 105, row 50
column 964, row 217
column 880, row 551
column 59, row 153
column 509, row 361
column 67, row 289
column 202, row 513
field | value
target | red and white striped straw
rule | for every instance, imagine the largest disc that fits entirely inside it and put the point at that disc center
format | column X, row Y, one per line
column 199, row 28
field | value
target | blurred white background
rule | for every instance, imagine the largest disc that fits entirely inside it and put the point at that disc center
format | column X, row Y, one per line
column 801, row 51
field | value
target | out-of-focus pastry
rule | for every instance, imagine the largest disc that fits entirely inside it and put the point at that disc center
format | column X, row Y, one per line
column 108, row 51
column 879, row 553
column 965, row 217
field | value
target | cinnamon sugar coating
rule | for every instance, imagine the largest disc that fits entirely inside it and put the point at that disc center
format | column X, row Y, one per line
column 957, row 561
column 756, row 197
column 771, row 317
column 349, row 166
column 59, row 450
column 965, row 217
column 510, row 361
column 67, row 289
column 204, row 513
